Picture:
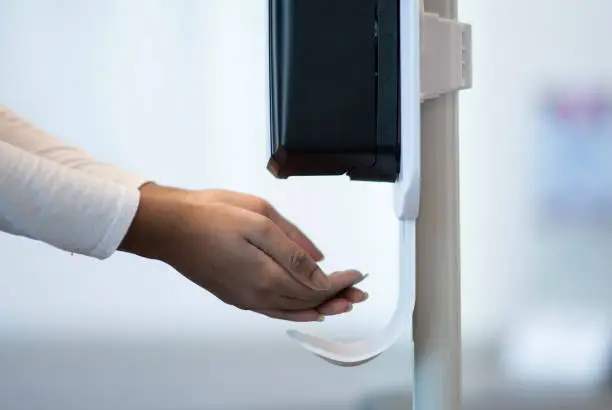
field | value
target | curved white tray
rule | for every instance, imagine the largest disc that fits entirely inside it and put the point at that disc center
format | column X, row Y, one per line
column 362, row 351
column 406, row 204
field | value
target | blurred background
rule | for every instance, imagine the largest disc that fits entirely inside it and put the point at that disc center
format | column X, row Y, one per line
column 174, row 90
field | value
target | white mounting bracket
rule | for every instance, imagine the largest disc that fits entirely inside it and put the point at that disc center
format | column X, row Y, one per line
column 435, row 62
column 446, row 56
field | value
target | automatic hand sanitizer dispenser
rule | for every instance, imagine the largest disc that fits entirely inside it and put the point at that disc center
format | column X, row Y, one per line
column 367, row 89
column 334, row 82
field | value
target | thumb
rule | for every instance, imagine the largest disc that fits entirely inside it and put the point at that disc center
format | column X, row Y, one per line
column 344, row 279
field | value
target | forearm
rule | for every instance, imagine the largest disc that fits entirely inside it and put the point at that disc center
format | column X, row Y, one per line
column 65, row 208
column 18, row 132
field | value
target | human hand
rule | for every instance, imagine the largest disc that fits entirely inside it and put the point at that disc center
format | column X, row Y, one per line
column 340, row 302
column 240, row 249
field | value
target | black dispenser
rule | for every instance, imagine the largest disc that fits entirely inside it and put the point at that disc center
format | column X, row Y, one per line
column 334, row 88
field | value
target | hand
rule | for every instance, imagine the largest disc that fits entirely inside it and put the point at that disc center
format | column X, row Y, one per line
column 247, row 256
column 342, row 301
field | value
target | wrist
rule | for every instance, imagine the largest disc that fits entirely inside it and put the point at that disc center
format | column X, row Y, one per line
column 154, row 222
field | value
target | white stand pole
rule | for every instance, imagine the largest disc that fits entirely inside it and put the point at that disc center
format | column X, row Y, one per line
column 436, row 321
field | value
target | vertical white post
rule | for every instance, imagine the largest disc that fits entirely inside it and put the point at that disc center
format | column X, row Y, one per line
column 437, row 320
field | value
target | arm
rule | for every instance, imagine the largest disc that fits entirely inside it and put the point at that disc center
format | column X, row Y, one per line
column 63, row 207
column 18, row 132
column 233, row 245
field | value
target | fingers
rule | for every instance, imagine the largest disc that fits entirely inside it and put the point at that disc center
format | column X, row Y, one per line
column 342, row 280
column 306, row 315
column 264, row 208
column 294, row 275
column 332, row 304
column 272, row 240
column 343, row 302
column 294, row 233
column 337, row 299
column 278, row 289
column 335, row 307
column 340, row 303
column 353, row 295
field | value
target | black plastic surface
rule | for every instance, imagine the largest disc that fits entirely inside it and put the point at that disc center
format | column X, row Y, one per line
column 334, row 88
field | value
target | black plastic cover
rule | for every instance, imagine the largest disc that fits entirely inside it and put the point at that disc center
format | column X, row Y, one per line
column 334, row 88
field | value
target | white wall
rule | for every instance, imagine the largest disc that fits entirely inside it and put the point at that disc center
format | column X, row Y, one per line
column 520, row 48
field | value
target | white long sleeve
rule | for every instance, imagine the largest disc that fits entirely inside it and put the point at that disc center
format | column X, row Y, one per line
column 18, row 132
column 59, row 194
column 63, row 207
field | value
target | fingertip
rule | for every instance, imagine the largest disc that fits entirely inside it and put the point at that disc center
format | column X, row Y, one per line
column 360, row 297
column 361, row 279
column 354, row 295
column 334, row 307
column 300, row 316
column 310, row 315
column 355, row 275
column 345, row 279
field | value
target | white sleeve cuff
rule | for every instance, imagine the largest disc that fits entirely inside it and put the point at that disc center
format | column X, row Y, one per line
column 65, row 208
column 125, row 211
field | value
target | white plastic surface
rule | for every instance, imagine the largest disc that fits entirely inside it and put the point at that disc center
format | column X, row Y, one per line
column 406, row 202
column 445, row 56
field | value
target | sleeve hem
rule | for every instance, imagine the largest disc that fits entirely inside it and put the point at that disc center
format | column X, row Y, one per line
column 125, row 214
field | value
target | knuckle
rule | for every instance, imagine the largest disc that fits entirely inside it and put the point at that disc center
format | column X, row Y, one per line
column 299, row 261
column 266, row 287
column 261, row 206
column 264, row 225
